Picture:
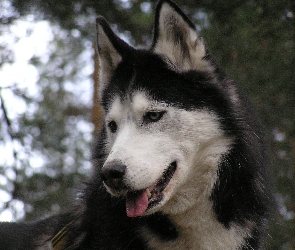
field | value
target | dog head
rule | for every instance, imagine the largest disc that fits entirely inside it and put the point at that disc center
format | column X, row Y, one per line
column 164, row 135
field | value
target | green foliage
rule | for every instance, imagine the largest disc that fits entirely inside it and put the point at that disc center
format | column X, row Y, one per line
column 257, row 48
column 253, row 40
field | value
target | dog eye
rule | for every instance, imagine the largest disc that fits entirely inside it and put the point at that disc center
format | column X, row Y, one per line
column 153, row 116
column 112, row 126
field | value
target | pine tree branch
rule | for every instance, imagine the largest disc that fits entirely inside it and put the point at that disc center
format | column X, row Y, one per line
column 4, row 110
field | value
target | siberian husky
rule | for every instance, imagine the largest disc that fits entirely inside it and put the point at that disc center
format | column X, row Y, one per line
column 180, row 161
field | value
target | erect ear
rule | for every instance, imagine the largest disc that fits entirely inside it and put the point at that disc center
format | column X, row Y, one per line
column 176, row 38
column 111, row 50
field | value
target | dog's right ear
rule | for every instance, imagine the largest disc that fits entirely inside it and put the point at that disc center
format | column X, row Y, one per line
column 111, row 50
column 176, row 38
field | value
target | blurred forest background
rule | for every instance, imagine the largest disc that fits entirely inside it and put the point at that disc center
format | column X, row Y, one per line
column 48, row 81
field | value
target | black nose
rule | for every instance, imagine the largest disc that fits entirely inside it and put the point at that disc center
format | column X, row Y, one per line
column 112, row 174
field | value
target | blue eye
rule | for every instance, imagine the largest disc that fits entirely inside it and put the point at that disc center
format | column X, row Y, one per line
column 153, row 116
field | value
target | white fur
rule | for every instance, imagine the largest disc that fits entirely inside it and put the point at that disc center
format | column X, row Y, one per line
column 190, row 209
column 147, row 150
column 200, row 231
column 196, row 142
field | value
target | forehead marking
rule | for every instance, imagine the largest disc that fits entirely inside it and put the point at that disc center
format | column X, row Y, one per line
column 140, row 102
column 115, row 108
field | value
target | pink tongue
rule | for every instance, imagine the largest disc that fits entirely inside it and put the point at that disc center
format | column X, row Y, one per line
column 136, row 203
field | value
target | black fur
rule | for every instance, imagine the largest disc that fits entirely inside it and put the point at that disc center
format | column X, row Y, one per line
column 28, row 236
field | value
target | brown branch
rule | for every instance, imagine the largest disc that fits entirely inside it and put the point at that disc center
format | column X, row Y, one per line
column 4, row 110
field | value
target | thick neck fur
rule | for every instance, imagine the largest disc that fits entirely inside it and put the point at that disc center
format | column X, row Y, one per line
column 196, row 223
column 198, row 228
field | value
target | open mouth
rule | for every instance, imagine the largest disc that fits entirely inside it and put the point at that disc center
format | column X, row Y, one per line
column 138, row 202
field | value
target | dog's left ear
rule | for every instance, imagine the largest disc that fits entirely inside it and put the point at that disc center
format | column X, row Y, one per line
column 176, row 38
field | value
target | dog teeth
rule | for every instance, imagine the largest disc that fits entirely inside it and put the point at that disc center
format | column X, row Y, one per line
column 148, row 193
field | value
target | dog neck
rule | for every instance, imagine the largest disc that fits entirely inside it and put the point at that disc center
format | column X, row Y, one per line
column 198, row 228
